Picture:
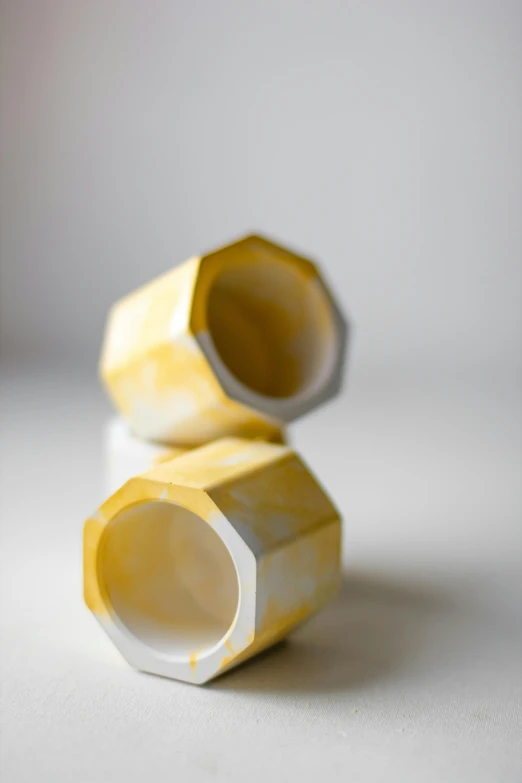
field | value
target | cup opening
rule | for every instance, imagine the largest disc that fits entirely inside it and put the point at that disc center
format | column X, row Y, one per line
column 272, row 326
column 169, row 578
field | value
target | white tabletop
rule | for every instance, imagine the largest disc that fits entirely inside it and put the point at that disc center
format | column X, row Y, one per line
column 413, row 674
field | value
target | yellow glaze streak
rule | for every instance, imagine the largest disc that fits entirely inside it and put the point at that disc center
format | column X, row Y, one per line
column 309, row 567
column 220, row 462
column 142, row 320
column 167, row 455
column 275, row 505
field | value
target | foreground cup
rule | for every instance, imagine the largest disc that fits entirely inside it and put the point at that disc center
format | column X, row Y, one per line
column 207, row 559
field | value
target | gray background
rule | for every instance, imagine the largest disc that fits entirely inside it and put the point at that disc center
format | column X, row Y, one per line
column 383, row 138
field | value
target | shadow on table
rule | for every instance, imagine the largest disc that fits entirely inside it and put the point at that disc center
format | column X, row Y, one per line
column 376, row 627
